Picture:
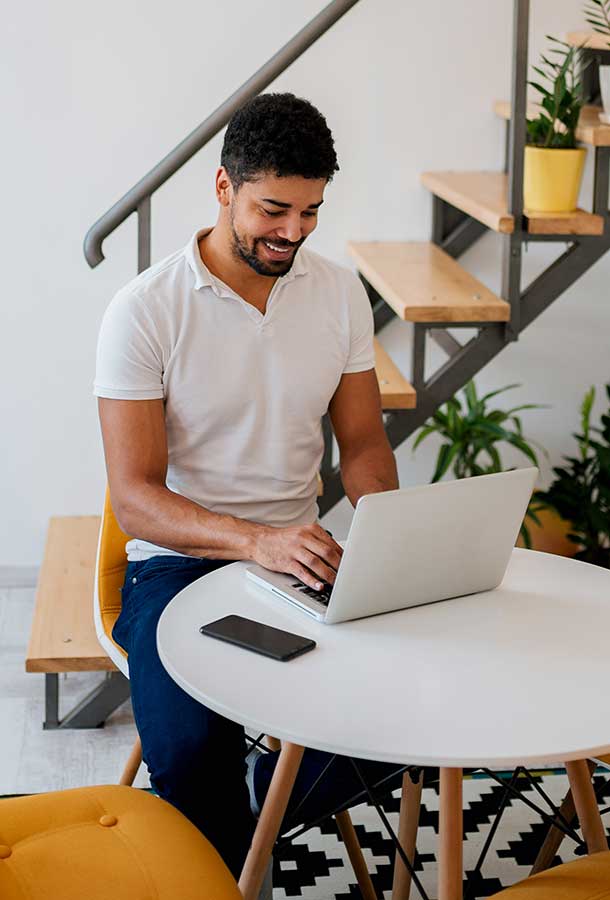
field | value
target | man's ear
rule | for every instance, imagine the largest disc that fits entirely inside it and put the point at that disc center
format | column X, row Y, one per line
column 224, row 188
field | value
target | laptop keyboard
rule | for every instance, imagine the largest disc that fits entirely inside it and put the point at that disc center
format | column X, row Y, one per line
column 322, row 596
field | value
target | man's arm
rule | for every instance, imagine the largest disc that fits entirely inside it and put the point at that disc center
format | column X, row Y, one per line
column 367, row 461
column 135, row 447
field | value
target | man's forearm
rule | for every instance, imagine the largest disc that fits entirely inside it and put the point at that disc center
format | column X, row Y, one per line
column 153, row 513
column 369, row 470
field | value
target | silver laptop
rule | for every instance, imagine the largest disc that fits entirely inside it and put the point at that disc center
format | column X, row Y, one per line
column 418, row 545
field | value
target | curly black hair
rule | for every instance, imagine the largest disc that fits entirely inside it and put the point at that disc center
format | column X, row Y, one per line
column 279, row 134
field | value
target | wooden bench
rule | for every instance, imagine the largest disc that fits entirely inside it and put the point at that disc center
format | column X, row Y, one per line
column 63, row 635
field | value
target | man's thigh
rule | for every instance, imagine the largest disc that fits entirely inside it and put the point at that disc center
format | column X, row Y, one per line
column 172, row 725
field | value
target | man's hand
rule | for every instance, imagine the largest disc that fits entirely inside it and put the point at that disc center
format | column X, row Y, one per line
column 306, row 551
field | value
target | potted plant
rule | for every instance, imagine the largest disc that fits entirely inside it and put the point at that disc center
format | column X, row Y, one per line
column 597, row 14
column 553, row 162
column 580, row 492
column 471, row 434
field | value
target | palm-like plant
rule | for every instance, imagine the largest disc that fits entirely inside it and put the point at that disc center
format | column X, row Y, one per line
column 471, row 435
column 555, row 125
column 597, row 14
column 580, row 492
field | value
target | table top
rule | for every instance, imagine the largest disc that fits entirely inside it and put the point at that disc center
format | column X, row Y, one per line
column 515, row 675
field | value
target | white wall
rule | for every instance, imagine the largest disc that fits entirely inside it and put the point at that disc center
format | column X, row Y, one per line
column 94, row 100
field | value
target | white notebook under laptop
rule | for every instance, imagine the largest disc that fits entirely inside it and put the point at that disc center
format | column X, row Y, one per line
column 418, row 545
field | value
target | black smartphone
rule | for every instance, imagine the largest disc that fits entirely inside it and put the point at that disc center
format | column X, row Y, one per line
column 255, row 636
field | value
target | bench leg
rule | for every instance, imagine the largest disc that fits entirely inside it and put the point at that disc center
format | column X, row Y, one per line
column 93, row 710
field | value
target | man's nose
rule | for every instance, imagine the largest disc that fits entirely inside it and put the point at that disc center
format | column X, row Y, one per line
column 290, row 231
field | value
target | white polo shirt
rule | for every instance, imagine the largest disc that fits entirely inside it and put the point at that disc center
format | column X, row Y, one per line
column 244, row 393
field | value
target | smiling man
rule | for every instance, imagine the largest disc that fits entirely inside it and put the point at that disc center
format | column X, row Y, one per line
column 214, row 370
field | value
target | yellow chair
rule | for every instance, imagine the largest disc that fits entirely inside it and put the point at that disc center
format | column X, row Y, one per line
column 584, row 879
column 106, row 842
column 110, row 566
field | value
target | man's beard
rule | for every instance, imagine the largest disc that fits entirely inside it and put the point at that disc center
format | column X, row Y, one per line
column 273, row 269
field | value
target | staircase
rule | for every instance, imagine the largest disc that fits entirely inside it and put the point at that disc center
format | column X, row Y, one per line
column 423, row 283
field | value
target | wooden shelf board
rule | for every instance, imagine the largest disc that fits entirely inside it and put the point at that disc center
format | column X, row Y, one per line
column 483, row 195
column 424, row 284
column 592, row 40
column 589, row 131
column 577, row 222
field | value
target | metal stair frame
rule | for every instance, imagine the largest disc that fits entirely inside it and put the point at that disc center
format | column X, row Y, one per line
column 454, row 232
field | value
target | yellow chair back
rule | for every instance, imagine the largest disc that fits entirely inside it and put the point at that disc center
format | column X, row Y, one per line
column 112, row 562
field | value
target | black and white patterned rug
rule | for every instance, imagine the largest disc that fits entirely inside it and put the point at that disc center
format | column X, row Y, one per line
column 316, row 867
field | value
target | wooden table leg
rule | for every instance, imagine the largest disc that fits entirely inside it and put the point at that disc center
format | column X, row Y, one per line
column 270, row 819
column 450, row 867
column 586, row 805
column 408, row 822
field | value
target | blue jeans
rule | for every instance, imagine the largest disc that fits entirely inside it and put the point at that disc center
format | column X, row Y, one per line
column 195, row 757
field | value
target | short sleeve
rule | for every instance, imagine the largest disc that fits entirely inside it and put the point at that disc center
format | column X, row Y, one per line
column 129, row 362
column 361, row 351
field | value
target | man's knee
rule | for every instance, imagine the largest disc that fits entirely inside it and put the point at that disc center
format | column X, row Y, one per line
column 205, row 749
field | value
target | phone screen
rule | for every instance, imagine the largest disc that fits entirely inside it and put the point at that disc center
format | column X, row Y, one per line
column 260, row 638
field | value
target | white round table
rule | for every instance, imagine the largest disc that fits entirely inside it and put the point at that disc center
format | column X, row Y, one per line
column 501, row 678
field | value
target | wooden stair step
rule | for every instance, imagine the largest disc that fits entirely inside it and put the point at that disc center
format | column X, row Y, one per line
column 396, row 392
column 484, row 196
column 588, row 131
column 422, row 283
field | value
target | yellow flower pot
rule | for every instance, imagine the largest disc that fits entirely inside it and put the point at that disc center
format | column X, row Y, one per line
column 551, row 179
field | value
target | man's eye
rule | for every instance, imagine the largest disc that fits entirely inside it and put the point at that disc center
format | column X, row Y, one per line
column 268, row 212
column 311, row 215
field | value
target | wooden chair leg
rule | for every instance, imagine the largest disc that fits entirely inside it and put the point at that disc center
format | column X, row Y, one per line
column 586, row 805
column 349, row 837
column 410, row 804
column 133, row 764
column 354, row 851
column 555, row 836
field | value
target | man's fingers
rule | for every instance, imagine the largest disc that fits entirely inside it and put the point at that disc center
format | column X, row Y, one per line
column 327, row 554
column 304, row 575
column 324, row 537
column 316, row 566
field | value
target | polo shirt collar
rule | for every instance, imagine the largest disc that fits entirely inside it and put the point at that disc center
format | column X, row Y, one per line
column 204, row 278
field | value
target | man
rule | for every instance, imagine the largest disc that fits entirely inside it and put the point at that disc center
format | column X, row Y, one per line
column 214, row 369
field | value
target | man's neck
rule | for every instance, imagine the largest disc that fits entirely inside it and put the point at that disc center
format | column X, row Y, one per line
column 217, row 256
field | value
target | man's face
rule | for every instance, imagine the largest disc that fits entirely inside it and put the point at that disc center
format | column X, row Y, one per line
column 271, row 217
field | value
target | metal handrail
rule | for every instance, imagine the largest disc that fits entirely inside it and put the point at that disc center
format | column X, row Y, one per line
column 138, row 198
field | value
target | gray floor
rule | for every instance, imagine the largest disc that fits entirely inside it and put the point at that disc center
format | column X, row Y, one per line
column 31, row 759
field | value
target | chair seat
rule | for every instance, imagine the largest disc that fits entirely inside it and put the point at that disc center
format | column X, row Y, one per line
column 102, row 842
column 584, row 879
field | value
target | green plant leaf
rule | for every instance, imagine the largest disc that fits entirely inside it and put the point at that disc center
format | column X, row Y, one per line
column 491, row 394
column 470, row 393
column 423, row 434
column 444, row 459
column 522, row 445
